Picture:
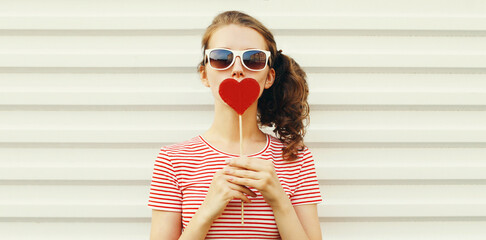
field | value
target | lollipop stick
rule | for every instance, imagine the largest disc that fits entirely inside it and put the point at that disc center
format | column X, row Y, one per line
column 241, row 154
column 241, row 136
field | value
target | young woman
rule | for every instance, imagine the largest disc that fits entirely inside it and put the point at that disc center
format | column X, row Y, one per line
column 198, row 185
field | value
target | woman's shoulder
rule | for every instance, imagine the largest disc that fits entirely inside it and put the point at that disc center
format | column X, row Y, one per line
column 186, row 146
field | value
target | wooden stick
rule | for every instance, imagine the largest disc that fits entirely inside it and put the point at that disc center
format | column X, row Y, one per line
column 241, row 136
column 241, row 155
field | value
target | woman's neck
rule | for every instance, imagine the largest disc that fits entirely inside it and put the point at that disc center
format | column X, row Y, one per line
column 225, row 126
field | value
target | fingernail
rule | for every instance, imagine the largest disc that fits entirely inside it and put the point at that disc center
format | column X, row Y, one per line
column 227, row 161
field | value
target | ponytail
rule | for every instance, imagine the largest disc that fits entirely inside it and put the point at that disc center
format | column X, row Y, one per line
column 284, row 105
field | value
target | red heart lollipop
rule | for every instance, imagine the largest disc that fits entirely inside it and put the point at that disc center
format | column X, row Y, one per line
column 239, row 95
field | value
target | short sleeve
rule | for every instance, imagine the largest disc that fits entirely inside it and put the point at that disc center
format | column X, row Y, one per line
column 165, row 193
column 307, row 189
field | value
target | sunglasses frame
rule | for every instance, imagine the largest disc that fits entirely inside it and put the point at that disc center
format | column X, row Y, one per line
column 237, row 53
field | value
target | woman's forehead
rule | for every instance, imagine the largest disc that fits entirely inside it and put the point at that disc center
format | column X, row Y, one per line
column 236, row 37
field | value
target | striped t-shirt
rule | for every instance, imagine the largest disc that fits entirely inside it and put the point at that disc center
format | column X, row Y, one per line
column 183, row 172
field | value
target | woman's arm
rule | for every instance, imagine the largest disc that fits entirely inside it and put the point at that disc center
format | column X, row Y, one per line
column 219, row 194
column 261, row 175
column 165, row 225
column 168, row 226
column 299, row 222
column 309, row 219
column 198, row 227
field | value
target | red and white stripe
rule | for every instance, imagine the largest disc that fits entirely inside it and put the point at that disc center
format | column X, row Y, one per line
column 183, row 172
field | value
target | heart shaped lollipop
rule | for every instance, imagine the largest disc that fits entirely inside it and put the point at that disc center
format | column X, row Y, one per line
column 239, row 95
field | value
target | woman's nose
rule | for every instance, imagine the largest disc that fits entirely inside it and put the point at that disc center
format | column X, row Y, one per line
column 237, row 68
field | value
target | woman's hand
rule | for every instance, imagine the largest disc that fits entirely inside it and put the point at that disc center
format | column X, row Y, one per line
column 256, row 173
column 220, row 192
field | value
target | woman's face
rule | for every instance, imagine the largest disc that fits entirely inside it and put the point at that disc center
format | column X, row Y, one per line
column 236, row 37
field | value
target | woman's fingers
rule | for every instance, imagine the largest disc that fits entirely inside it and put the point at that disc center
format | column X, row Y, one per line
column 240, row 172
column 242, row 189
column 240, row 195
column 254, row 164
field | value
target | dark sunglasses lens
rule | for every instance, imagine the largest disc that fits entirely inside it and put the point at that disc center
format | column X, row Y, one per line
column 220, row 58
column 255, row 59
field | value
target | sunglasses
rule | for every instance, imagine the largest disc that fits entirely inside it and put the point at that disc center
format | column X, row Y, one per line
column 222, row 59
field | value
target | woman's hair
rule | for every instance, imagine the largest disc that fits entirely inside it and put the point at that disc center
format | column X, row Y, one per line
column 284, row 105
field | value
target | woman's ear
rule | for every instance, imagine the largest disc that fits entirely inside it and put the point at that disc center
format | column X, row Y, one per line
column 203, row 76
column 270, row 78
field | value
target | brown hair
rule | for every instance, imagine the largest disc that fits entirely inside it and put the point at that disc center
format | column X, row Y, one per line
column 284, row 105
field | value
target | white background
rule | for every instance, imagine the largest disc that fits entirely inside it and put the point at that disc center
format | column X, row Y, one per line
column 90, row 91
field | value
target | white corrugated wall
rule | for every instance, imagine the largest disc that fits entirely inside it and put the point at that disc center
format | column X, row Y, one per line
column 90, row 90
